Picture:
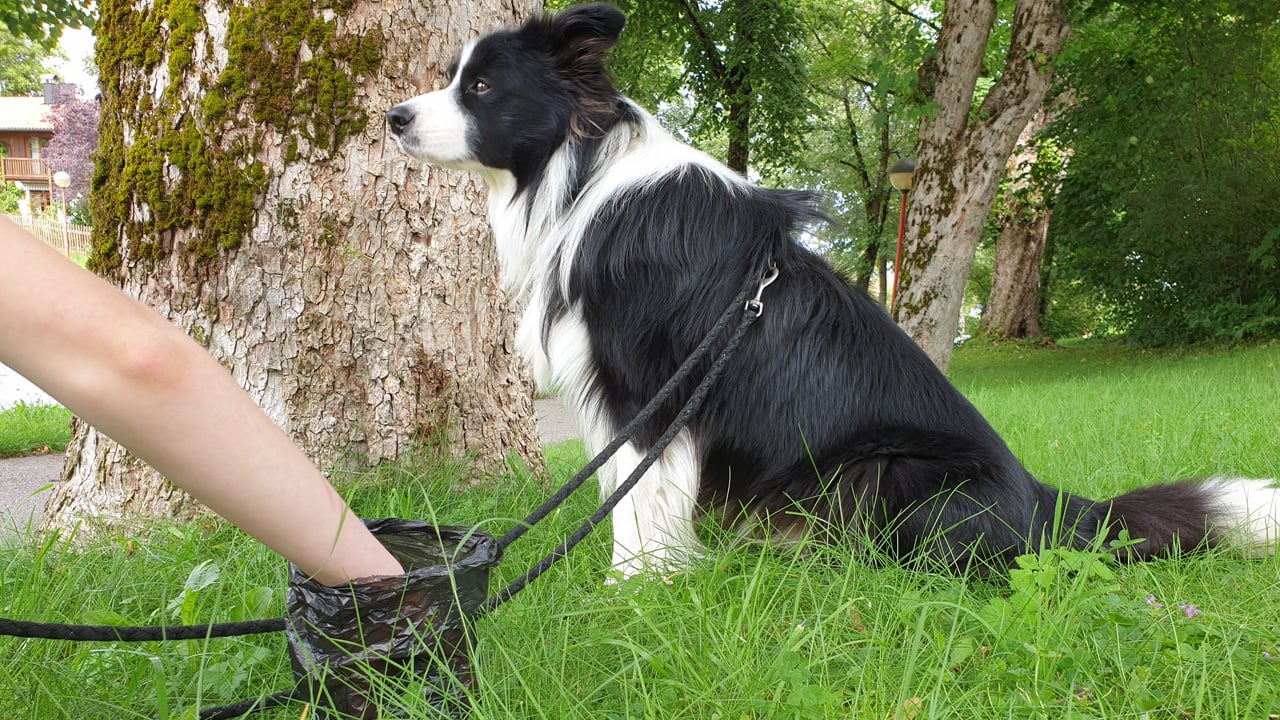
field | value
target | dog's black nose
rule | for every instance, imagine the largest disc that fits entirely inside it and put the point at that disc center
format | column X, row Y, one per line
column 399, row 118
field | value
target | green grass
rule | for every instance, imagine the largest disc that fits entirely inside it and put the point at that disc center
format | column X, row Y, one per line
column 750, row 632
column 26, row 429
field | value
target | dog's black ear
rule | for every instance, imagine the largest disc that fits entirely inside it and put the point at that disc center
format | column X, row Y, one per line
column 589, row 30
column 581, row 36
column 578, row 40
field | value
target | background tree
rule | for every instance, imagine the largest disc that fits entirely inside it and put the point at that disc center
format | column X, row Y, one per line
column 1168, row 210
column 726, row 75
column 44, row 20
column 836, row 77
column 1023, row 213
column 1173, row 135
column 246, row 189
column 21, row 64
column 75, row 139
column 962, row 153
column 862, row 82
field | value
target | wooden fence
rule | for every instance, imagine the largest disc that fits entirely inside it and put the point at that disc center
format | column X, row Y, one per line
column 70, row 240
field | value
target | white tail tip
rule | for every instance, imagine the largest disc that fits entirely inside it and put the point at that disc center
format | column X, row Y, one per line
column 1248, row 513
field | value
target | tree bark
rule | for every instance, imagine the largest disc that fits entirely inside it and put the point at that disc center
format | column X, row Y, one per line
column 247, row 190
column 1013, row 307
column 962, row 153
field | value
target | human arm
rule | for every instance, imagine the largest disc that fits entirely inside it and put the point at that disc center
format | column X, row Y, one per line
column 136, row 377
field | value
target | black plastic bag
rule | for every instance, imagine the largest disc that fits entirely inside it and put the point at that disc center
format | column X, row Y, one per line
column 415, row 625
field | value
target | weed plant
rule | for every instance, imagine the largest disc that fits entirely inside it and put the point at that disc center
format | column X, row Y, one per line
column 750, row 631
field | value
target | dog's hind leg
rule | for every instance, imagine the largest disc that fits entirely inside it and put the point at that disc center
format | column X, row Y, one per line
column 653, row 525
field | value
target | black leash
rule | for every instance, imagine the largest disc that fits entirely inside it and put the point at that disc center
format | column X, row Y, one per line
column 113, row 633
column 745, row 306
column 681, row 374
column 750, row 312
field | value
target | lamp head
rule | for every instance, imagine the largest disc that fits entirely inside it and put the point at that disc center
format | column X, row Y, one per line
column 902, row 173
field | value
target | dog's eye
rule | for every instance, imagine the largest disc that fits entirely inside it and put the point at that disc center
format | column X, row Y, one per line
column 479, row 87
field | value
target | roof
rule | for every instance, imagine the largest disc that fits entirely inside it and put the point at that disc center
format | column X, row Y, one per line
column 23, row 114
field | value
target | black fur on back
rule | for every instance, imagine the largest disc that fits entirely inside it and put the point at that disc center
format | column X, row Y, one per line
column 829, row 412
column 829, row 415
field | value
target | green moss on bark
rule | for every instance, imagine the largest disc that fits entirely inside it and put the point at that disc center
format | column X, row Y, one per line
column 197, row 168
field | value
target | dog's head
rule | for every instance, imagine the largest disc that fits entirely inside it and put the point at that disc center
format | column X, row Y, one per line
column 516, row 95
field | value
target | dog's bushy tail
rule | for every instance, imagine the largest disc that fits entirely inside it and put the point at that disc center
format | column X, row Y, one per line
column 1187, row 515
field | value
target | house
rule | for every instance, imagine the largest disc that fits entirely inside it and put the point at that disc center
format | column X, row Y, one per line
column 24, row 133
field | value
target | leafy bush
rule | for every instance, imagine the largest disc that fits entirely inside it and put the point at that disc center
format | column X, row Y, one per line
column 1077, row 310
column 9, row 197
column 1168, row 208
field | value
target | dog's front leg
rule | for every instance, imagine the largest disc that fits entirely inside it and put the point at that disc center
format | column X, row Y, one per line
column 653, row 525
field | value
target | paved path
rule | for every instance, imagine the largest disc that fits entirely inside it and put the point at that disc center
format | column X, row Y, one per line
column 23, row 479
column 22, row 489
column 554, row 424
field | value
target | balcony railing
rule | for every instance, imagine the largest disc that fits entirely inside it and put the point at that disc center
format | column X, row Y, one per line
column 25, row 170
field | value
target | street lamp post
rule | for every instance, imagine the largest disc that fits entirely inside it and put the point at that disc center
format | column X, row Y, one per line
column 62, row 179
column 901, row 175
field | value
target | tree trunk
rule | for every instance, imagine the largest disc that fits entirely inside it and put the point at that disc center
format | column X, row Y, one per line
column 882, row 276
column 738, row 155
column 247, row 190
column 962, row 153
column 873, row 185
column 1013, row 307
column 741, row 96
column 866, row 267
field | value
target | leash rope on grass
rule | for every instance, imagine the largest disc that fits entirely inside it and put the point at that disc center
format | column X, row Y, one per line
column 114, row 633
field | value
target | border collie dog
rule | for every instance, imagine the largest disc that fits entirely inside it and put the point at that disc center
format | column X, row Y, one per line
column 626, row 246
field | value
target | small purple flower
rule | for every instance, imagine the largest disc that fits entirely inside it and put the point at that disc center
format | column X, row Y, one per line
column 1189, row 610
column 1268, row 655
column 1151, row 602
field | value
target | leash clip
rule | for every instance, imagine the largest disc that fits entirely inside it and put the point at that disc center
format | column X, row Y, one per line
column 756, row 304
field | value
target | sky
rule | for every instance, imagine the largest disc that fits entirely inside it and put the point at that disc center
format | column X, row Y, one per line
column 77, row 45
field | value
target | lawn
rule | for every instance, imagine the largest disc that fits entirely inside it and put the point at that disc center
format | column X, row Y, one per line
column 750, row 632
column 27, row 429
